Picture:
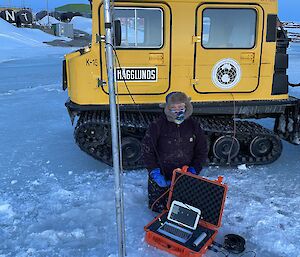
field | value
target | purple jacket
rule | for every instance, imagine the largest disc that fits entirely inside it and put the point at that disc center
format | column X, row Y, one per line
column 168, row 146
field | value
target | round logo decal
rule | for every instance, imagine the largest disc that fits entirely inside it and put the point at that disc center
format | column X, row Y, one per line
column 226, row 74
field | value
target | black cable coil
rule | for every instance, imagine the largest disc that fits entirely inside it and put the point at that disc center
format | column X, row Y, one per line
column 234, row 243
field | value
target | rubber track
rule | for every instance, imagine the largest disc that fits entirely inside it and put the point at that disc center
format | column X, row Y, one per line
column 92, row 134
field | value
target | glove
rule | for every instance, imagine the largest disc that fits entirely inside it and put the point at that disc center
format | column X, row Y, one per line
column 159, row 179
column 192, row 170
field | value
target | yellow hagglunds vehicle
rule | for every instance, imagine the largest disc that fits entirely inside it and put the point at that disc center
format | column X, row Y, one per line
column 229, row 56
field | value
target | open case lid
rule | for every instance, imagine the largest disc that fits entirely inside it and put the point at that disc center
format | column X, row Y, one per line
column 206, row 195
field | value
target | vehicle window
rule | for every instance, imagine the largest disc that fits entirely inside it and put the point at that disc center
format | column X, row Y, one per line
column 229, row 28
column 141, row 27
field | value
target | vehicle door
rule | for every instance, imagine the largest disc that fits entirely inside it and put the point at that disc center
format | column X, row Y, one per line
column 228, row 48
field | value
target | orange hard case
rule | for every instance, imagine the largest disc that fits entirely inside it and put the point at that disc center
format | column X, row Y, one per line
column 207, row 195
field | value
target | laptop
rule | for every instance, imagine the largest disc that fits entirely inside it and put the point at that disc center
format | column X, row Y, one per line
column 182, row 220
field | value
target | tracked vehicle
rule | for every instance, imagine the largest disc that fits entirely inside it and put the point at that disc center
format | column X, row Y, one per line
column 229, row 56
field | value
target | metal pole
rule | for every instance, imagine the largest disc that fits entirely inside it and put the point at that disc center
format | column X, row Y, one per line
column 114, row 128
column 48, row 13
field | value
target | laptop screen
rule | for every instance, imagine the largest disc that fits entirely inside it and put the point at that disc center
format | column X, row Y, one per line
column 184, row 214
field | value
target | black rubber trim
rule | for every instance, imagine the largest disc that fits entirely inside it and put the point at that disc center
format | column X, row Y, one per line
column 64, row 76
column 107, row 25
column 195, row 48
column 118, row 33
column 280, row 84
column 281, row 61
column 142, row 49
column 271, row 28
column 280, row 78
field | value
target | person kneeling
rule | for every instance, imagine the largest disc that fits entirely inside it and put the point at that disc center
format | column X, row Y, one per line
column 172, row 141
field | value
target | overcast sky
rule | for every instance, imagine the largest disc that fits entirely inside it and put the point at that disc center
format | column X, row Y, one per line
column 288, row 9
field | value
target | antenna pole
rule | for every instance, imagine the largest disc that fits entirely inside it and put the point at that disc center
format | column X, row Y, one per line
column 48, row 13
column 114, row 127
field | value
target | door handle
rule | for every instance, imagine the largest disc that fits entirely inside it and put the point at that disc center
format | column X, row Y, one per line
column 247, row 57
column 156, row 58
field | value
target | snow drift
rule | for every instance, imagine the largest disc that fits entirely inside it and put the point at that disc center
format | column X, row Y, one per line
column 16, row 43
column 82, row 23
column 44, row 21
column 12, row 37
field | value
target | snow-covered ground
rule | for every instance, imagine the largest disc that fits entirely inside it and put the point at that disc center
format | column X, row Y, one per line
column 294, row 68
column 57, row 201
column 19, row 43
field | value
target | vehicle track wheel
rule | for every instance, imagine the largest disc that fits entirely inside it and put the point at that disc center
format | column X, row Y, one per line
column 225, row 146
column 260, row 147
column 131, row 150
column 92, row 135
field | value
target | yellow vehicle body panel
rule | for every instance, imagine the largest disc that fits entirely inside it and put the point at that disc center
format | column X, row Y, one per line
column 182, row 63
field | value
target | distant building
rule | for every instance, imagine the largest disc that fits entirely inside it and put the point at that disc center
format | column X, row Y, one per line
column 63, row 30
column 10, row 8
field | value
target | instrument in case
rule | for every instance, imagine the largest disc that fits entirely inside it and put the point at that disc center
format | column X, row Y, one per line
column 193, row 216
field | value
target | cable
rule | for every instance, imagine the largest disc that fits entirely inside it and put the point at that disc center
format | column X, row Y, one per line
column 248, row 252
column 212, row 248
column 234, row 130
column 226, row 255
column 152, row 206
column 233, row 244
column 168, row 190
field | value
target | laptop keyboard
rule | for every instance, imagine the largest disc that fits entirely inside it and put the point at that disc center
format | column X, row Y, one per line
column 175, row 232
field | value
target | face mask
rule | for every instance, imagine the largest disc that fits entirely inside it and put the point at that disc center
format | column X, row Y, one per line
column 179, row 115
